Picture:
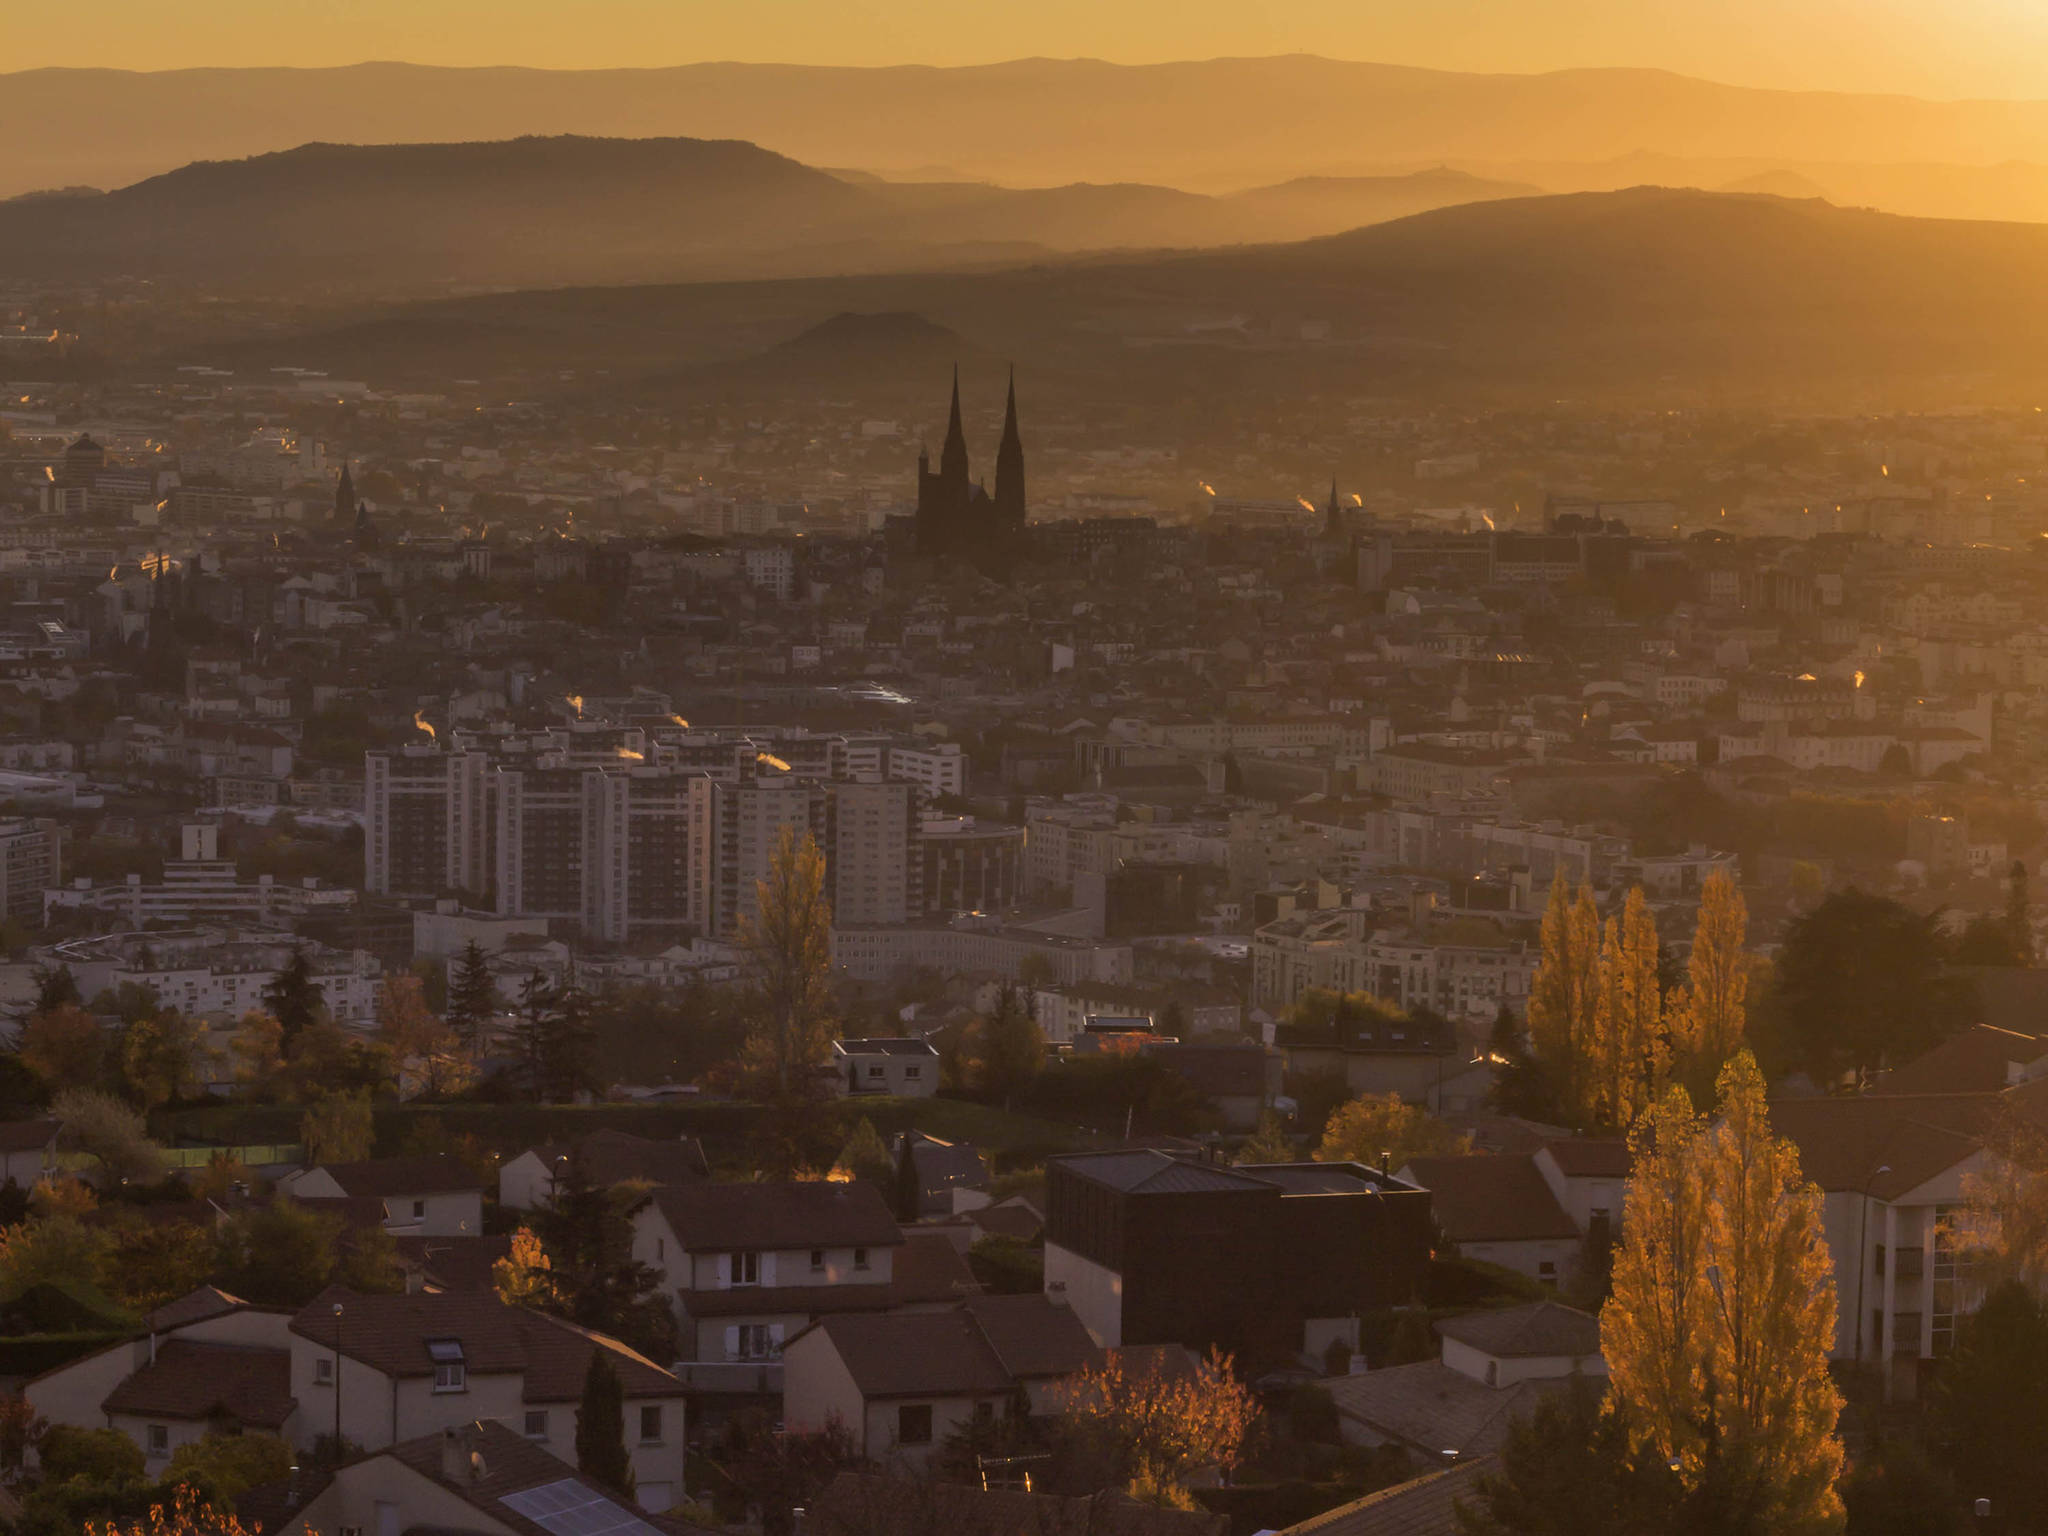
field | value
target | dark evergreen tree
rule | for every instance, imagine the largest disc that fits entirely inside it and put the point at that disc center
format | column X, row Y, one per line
column 54, row 989
column 568, row 1043
column 472, row 996
column 294, row 999
column 907, row 1196
column 601, row 1427
column 594, row 1280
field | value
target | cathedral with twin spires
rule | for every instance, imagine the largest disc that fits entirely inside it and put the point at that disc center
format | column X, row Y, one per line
column 957, row 516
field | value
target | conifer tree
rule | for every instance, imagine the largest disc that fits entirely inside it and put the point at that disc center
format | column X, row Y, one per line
column 601, row 1426
column 472, row 996
column 294, row 999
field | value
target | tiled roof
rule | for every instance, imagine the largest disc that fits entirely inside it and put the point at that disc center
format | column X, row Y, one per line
column 916, row 1354
column 453, row 1263
column 193, row 1307
column 1422, row 1506
column 1155, row 1173
column 1432, row 1409
column 391, row 1333
column 1975, row 1061
column 720, row 1217
column 1541, row 1328
column 26, row 1135
column 1032, row 1335
column 1882, row 1144
column 1589, row 1157
column 193, row 1380
column 388, row 1176
column 1497, row 1199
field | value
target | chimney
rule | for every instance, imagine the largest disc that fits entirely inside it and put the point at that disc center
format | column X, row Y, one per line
column 454, row 1458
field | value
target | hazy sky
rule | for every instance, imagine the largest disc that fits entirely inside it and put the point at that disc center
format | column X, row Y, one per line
column 1925, row 47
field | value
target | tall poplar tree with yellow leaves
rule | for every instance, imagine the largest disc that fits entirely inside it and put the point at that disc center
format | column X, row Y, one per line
column 1723, row 1312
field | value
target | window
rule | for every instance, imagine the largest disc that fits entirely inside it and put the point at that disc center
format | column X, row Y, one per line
column 1546, row 1270
column 660, row 1249
column 984, row 1412
column 757, row 1341
column 743, row 1268
column 817, row 1260
column 323, row 1372
column 450, row 1372
column 159, row 1440
column 912, row 1074
column 650, row 1424
column 860, row 1258
column 914, row 1424
column 536, row 1423
column 876, row 1072
column 419, row 1209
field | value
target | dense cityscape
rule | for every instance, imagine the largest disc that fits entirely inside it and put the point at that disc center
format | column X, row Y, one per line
column 840, row 920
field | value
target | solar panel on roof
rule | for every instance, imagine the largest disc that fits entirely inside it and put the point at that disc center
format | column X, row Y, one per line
column 568, row 1508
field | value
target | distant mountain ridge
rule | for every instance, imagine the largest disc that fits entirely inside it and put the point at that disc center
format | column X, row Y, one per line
column 1215, row 124
column 414, row 218
column 1645, row 295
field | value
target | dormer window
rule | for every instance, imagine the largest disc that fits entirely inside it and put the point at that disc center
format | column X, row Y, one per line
column 451, row 1371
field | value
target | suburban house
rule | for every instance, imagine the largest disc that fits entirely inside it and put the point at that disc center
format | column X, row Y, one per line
column 28, row 1151
column 905, row 1068
column 1891, row 1168
column 423, row 1196
column 1422, row 1506
column 1499, row 1209
column 751, row 1265
column 902, row 1382
column 389, row 1369
column 482, row 1478
column 1588, row 1175
column 1414, row 1058
column 1271, row 1262
column 1242, row 1079
column 208, row 1362
column 604, row 1159
column 1493, row 1368
column 950, row 1175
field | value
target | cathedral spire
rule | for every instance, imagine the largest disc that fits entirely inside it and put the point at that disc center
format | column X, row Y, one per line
column 1333, row 518
column 953, row 457
column 1010, row 466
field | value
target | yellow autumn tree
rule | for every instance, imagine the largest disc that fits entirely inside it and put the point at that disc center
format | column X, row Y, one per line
column 1629, row 1058
column 1709, row 1017
column 1723, row 1312
column 1564, row 997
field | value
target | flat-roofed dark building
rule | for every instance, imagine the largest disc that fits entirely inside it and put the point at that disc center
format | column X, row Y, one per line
column 1269, row 1262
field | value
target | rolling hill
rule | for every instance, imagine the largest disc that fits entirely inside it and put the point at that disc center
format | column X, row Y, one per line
column 415, row 218
column 1648, row 293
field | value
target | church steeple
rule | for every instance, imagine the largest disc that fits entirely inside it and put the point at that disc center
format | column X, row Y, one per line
column 953, row 456
column 344, row 496
column 1333, row 517
column 1010, row 466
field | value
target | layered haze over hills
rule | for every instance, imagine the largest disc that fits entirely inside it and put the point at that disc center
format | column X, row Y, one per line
column 1696, row 296
column 537, row 211
column 1216, row 125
